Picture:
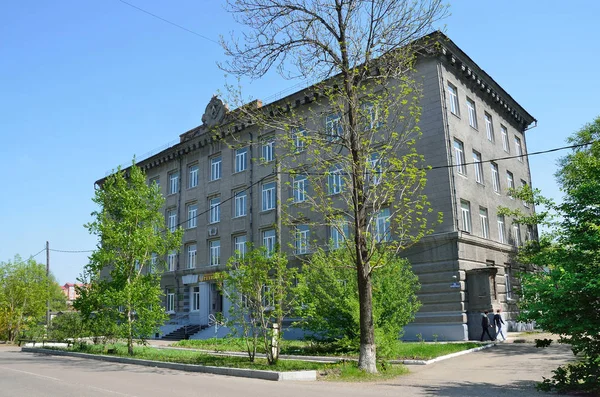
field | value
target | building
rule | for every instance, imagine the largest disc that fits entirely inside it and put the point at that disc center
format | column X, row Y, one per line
column 225, row 199
column 70, row 292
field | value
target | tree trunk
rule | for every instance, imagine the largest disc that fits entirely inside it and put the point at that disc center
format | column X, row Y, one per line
column 367, row 358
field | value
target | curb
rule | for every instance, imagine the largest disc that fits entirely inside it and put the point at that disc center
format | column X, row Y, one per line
column 238, row 372
column 441, row 358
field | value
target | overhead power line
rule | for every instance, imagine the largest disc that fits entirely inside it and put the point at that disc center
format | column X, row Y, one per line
column 34, row 255
column 169, row 22
column 71, row 251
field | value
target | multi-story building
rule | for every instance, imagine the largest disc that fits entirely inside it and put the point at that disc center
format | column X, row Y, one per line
column 224, row 198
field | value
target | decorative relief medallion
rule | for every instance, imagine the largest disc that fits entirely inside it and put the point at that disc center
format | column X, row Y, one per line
column 215, row 112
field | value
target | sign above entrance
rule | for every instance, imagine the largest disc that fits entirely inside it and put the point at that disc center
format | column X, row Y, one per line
column 189, row 279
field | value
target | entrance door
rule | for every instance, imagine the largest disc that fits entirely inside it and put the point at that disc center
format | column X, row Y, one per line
column 204, row 302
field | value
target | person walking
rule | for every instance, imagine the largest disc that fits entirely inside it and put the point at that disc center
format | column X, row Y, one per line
column 498, row 323
column 485, row 324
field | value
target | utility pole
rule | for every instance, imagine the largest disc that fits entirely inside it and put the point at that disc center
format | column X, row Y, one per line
column 47, row 285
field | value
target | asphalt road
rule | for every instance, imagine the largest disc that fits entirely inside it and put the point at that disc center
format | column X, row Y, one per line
column 505, row 370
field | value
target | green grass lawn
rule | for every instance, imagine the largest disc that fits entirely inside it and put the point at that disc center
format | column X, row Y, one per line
column 401, row 351
column 343, row 370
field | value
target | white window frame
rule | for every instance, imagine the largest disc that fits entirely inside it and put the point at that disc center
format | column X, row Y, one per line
column 170, row 302
column 192, row 213
column 453, row 98
column 495, row 177
column 459, row 154
column 302, row 239
column 153, row 261
column 298, row 135
column 268, row 196
column 268, row 150
column 465, row 210
column 214, row 205
column 195, row 298
column 299, row 188
column 191, row 256
column 382, row 226
column 477, row 164
column 523, row 184
column 505, row 143
column 269, row 238
column 508, row 282
column 172, row 260
column 239, row 245
column 489, row 127
column 516, row 231
column 371, row 115
column 485, row 223
column 518, row 149
column 215, row 168
column 214, row 252
column 172, row 219
column 335, row 181
column 333, row 127
column 193, row 176
column 239, row 204
column 375, row 169
column 472, row 113
column 174, row 182
column 510, row 182
column 241, row 159
column 501, row 229
column 338, row 233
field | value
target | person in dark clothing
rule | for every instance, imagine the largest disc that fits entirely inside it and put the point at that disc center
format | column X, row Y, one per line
column 485, row 324
column 498, row 323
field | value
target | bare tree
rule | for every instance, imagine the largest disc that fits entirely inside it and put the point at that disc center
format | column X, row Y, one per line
column 363, row 170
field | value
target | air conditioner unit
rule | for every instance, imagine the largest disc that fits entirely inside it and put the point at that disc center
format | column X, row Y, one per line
column 213, row 231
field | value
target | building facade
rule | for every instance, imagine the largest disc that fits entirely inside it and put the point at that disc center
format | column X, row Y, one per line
column 225, row 194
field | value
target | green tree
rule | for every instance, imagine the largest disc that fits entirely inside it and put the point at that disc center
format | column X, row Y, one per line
column 24, row 291
column 123, row 286
column 259, row 286
column 329, row 296
column 564, row 296
column 364, row 51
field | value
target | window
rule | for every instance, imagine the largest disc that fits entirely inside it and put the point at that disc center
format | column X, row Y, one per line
column 489, row 127
column 518, row 149
column 170, row 301
column 459, row 154
column 172, row 260
column 335, row 181
column 371, row 116
column 299, row 186
column 172, row 219
column 195, row 299
column 501, row 233
column 505, row 145
column 155, row 180
column 508, row 282
column 239, row 204
column 465, row 208
column 298, row 137
column 338, row 232
column 214, row 252
column 173, row 182
column 333, row 127
column 269, row 197
column 215, row 168
column 524, row 185
column 382, row 226
column 453, row 97
column 472, row 113
column 241, row 159
column 268, row 237
column 192, row 215
column 485, row 224
column 239, row 245
column 510, row 182
column 302, row 239
column 478, row 167
column 374, row 169
column 153, row 262
column 516, row 231
column 193, row 176
column 215, row 210
column 495, row 177
column 191, row 256
column 268, row 150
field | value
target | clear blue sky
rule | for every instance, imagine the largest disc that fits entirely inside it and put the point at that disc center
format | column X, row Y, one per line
column 85, row 85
